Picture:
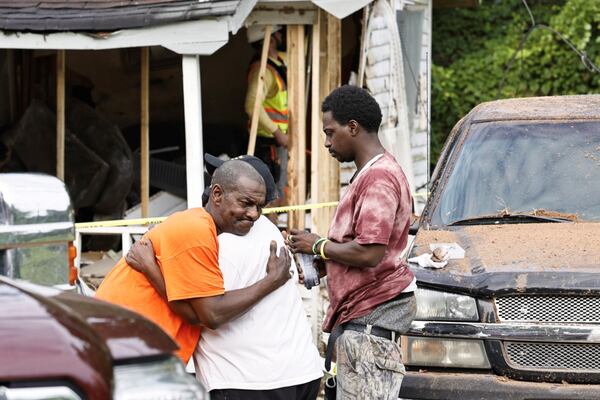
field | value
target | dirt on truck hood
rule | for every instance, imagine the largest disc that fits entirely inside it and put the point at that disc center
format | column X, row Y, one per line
column 539, row 257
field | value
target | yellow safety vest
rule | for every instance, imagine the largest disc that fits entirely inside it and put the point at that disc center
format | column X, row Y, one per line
column 277, row 106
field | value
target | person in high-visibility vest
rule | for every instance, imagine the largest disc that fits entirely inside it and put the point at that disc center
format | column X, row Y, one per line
column 272, row 139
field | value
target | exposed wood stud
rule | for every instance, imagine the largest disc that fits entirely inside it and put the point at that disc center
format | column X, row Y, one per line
column 325, row 77
column 259, row 90
column 315, row 125
column 297, row 123
column 362, row 60
column 145, row 130
column 334, row 78
column 288, row 16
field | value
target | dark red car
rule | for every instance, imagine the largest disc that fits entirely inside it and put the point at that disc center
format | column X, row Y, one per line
column 58, row 345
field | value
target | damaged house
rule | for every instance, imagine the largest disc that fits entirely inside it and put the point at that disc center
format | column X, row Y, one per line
column 120, row 98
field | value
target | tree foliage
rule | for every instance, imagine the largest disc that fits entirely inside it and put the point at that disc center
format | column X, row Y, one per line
column 472, row 50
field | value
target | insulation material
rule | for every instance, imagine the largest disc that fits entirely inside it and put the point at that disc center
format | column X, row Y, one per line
column 385, row 79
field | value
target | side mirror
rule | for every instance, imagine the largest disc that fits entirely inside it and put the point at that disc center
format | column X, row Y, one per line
column 415, row 222
column 414, row 227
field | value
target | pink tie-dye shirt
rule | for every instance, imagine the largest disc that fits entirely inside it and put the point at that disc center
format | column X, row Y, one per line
column 375, row 209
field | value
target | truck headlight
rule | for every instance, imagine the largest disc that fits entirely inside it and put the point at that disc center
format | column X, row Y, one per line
column 450, row 353
column 163, row 379
column 437, row 305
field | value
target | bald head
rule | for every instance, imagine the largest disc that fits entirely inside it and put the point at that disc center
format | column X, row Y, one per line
column 237, row 196
column 228, row 175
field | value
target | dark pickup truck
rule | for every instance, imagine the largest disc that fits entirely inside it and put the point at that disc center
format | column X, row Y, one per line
column 54, row 343
column 517, row 187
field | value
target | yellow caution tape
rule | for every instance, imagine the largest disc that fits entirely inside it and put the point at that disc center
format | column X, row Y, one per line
column 158, row 220
column 299, row 208
column 120, row 222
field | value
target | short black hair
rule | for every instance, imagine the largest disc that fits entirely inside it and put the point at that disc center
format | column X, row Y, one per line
column 351, row 102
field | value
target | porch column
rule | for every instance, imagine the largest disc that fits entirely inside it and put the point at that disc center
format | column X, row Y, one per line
column 193, row 129
column 60, row 114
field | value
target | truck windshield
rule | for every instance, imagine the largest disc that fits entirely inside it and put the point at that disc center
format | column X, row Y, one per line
column 550, row 168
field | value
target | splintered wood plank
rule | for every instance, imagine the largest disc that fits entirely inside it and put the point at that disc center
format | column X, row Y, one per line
column 362, row 62
column 297, row 123
column 334, row 78
column 259, row 90
column 325, row 180
column 315, row 127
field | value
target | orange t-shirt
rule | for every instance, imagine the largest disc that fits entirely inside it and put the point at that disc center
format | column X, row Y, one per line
column 187, row 250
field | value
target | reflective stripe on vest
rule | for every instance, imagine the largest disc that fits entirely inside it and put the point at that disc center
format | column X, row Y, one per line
column 279, row 117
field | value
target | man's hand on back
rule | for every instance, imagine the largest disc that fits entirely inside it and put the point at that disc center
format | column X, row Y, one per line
column 278, row 268
column 141, row 256
column 214, row 311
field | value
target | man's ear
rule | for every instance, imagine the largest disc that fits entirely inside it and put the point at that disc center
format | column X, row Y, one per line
column 352, row 127
column 217, row 194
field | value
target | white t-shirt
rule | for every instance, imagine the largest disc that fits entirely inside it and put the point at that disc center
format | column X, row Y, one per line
column 268, row 347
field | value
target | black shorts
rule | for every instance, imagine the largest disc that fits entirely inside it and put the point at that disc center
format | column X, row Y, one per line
column 305, row 391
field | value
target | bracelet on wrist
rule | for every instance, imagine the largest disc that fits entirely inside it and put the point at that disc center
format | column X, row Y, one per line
column 322, row 252
column 315, row 246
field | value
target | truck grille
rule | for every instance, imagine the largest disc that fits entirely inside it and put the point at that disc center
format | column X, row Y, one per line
column 527, row 308
column 553, row 356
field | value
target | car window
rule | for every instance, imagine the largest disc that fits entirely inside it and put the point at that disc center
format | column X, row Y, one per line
column 524, row 166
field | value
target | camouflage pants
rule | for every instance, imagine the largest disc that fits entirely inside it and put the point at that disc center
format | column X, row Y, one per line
column 368, row 367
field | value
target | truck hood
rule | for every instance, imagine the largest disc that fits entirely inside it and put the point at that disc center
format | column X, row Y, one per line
column 125, row 334
column 506, row 258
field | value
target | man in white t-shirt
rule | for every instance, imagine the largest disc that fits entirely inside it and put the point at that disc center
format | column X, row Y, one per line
column 268, row 352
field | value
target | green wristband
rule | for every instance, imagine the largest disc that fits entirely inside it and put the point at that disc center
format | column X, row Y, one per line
column 315, row 246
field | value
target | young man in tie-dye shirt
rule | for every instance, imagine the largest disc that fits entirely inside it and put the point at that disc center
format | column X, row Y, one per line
column 371, row 289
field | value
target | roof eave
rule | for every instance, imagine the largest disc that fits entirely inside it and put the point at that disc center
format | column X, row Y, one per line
column 202, row 37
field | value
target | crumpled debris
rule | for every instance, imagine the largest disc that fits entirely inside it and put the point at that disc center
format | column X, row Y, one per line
column 454, row 251
column 439, row 256
column 426, row 261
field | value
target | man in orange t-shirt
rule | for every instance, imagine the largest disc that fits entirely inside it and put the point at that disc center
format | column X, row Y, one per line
column 192, row 294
